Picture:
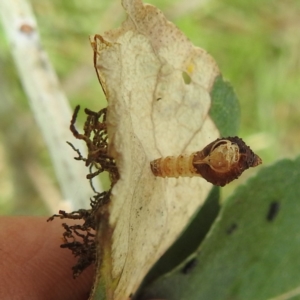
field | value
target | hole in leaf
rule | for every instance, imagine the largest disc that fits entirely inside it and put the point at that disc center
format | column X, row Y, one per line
column 189, row 266
column 186, row 78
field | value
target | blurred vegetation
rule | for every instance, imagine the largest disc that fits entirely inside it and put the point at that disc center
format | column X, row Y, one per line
column 255, row 43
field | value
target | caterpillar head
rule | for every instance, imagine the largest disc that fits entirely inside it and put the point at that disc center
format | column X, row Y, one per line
column 224, row 160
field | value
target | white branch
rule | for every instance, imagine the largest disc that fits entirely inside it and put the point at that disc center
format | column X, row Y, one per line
column 48, row 103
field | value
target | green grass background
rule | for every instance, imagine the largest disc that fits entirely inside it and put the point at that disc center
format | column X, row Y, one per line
column 255, row 43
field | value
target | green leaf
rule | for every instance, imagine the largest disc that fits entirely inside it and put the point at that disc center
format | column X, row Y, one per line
column 225, row 108
column 252, row 252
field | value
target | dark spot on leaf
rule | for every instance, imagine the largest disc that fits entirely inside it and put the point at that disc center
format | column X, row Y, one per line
column 189, row 266
column 232, row 228
column 273, row 210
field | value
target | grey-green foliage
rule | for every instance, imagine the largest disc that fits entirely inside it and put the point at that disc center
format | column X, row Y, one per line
column 225, row 108
column 252, row 251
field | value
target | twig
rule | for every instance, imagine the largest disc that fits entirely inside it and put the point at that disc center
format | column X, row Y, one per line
column 48, row 103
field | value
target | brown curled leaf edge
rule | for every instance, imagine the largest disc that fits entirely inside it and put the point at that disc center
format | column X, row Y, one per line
column 220, row 162
column 80, row 239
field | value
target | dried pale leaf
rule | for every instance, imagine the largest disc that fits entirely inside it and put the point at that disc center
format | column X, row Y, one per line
column 153, row 111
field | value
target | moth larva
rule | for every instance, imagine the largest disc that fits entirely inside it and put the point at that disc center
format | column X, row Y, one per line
column 220, row 162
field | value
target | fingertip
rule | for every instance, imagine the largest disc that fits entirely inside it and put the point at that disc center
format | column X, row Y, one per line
column 34, row 266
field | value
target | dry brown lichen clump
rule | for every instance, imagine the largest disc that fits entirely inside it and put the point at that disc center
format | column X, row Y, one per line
column 95, row 137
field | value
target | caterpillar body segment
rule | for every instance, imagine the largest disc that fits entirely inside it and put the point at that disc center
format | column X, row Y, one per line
column 220, row 162
column 174, row 166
